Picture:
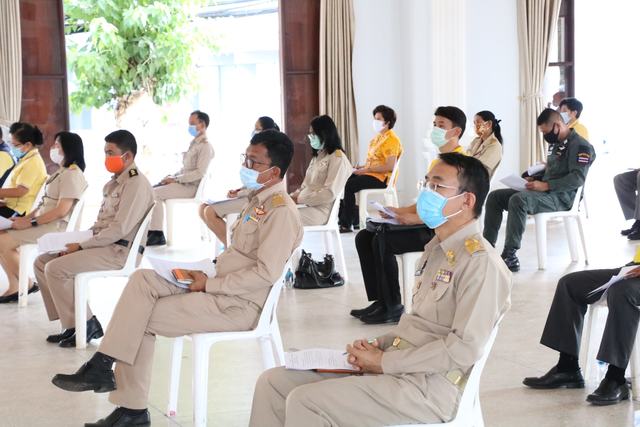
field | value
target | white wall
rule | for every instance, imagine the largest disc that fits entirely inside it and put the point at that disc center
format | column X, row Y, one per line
column 393, row 64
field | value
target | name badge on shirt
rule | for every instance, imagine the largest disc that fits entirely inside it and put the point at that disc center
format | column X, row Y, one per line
column 444, row 275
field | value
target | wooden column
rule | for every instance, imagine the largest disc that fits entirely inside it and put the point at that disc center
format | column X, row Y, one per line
column 300, row 46
column 44, row 69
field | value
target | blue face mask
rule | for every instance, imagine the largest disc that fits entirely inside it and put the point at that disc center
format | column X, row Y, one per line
column 430, row 205
column 17, row 153
column 193, row 131
column 437, row 137
column 249, row 178
column 315, row 142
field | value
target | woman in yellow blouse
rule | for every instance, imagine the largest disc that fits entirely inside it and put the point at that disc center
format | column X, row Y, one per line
column 384, row 150
column 63, row 189
column 6, row 160
column 487, row 147
column 26, row 178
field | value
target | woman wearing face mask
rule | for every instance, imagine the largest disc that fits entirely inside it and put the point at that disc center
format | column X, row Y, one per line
column 487, row 147
column 26, row 178
column 62, row 190
column 326, row 174
column 384, row 151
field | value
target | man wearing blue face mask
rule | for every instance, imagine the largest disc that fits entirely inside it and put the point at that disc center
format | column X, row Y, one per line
column 416, row 372
column 184, row 183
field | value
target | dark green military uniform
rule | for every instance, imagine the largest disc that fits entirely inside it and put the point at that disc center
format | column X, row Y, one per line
column 567, row 165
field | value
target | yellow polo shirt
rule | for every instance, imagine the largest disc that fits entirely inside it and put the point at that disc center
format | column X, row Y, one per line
column 30, row 173
column 6, row 162
column 580, row 129
column 383, row 146
column 458, row 149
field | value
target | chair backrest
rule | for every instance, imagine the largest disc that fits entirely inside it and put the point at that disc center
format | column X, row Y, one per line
column 394, row 175
column 200, row 192
column 74, row 219
column 576, row 200
column 335, row 209
column 271, row 304
column 39, row 196
column 132, row 257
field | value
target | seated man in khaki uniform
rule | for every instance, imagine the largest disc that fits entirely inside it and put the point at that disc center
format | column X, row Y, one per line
column 264, row 237
column 184, row 183
column 416, row 372
column 127, row 199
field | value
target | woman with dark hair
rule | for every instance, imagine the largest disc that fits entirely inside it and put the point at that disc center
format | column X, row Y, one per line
column 6, row 160
column 62, row 190
column 27, row 177
column 326, row 174
column 487, row 147
column 265, row 123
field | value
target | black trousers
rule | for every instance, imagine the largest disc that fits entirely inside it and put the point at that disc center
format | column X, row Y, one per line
column 378, row 262
column 563, row 329
column 348, row 214
column 8, row 212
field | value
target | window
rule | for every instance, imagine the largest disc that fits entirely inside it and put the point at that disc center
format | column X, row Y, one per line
column 560, row 79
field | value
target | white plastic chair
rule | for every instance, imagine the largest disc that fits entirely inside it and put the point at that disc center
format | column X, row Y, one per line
column 171, row 205
column 29, row 252
column 331, row 232
column 469, row 413
column 267, row 332
column 569, row 216
column 408, row 261
column 390, row 195
column 594, row 321
column 82, row 280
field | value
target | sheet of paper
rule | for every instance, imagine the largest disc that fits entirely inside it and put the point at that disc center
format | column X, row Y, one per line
column 317, row 358
column 5, row 224
column 377, row 206
column 539, row 167
column 614, row 279
column 164, row 266
column 56, row 242
column 514, row 182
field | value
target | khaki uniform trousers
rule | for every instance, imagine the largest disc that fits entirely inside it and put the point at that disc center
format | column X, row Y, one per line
column 150, row 305
column 314, row 215
column 164, row 192
column 305, row 398
column 56, row 277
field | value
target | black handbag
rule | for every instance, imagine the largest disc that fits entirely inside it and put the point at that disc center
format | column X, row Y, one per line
column 311, row 274
column 382, row 227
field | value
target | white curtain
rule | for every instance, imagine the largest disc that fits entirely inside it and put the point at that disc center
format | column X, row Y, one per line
column 336, row 83
column 10, row 62
column 537, row 20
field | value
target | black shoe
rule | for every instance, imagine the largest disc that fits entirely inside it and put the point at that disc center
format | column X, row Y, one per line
column 609, row 392
column 361, row 312
column 634, row 227
column 94, row 331
column 87, row 378
column 56, row 338
column 344, row 229
column 509, row 257
column 14, row 296
column 634, row 235
column 384, row 315
column 122, row 417
column 555, row 379
column 156, row 238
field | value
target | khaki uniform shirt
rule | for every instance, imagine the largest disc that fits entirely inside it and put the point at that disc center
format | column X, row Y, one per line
column 263, row 238
column 195, row 161
column 462, row 289
column 65, row 183
column 127, row 199
column 325, row 179
column 489, row 152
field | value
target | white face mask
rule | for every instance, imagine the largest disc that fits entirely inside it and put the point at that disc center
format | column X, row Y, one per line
column 565, row 117
column 378, row 125
column 55, row 156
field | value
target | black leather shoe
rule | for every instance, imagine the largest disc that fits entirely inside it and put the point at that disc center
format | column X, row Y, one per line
column 555, row 379
column 361, row 312
column 87, row 378
column 609, row 392
column 94, row 331
column 156, row 238
column 56, row 338
column 634, row 227
column 14, row 296
column 344, row 229
column 634, row 235
column 509, row 257
column 121, row 417
column 384, row 315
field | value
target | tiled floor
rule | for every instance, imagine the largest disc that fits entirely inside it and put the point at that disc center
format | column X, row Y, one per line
column 318, row 318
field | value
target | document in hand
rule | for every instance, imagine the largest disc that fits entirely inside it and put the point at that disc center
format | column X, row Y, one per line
column 538, row 167
column 317, row 358
column 514, row 182
column 377, row 206
column 56, row 242
column 5, row 223
column 614, row 279
column 164, row 266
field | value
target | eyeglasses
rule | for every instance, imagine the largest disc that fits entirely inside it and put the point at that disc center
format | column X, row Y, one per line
column 425, row 184
column 249, row 162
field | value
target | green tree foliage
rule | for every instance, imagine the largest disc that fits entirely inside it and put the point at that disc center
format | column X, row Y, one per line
column 132, row 47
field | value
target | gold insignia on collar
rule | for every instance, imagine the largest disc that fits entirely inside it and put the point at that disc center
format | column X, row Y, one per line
column 259, row 210
column 133, row 172
column 473, row 245
column 451, row 258
column 277, row 200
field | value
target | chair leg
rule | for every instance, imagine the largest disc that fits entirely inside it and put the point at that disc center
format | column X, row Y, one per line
column 407, row 284
column 80, row 305
column 200, row 382
column 26, row 261
column 362, row 211
column 541, row 241
column 276, row 340
column 570, row 229
column 583, row 239
column 477, row 414
column 174, row 379
column 266, row 348
column 635, row 369
column 340, row 254
column 593, row 325
column 169, row 214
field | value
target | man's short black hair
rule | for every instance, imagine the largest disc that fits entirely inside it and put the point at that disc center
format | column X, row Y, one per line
column 472, row 176
column 573, row 105
column 388, row 114
column 548, row 115
column 279, row 148
column 124, row 140
column 203, row 117
column 454, row 114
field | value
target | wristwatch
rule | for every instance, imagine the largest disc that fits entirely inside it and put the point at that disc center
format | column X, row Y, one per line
column 34, row 222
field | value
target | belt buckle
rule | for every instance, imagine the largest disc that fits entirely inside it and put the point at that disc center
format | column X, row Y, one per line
column 456, row 377
column 396, row 342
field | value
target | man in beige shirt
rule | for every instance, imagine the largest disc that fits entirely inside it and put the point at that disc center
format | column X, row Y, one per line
column 417, row 371
column 184, row 183
column 127, row 199
column 264, row 237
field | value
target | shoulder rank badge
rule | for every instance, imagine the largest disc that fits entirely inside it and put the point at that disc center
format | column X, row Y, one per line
column 338, row 153
column 444, row 275
column 133, row 172
column 473, row 245
column 277, row 200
